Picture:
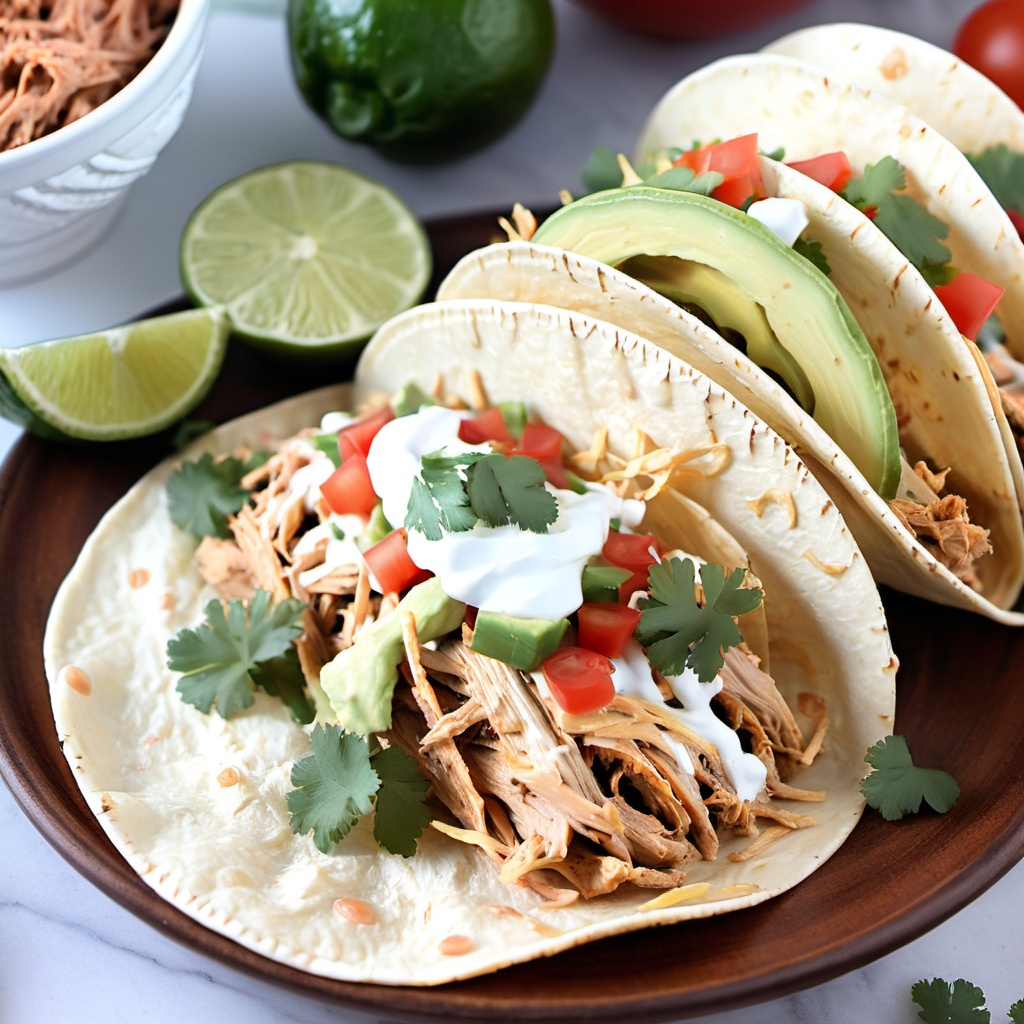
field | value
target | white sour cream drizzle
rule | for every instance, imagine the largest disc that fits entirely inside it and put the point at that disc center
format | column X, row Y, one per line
column 633, row 678
column 502, row 569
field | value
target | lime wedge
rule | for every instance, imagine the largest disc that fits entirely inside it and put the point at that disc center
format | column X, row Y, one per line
column 125, row 382
column 306, row 258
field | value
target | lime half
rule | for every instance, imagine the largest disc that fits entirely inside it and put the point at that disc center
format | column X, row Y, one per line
column 306, row 258
column 125, row 382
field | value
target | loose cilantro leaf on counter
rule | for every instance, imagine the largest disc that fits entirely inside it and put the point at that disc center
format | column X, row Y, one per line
column 945, row 1003
column 900, row 217
column 1002, row 169
column 680, row 633
column 402, row 812
column 455, row 492
column 202, row 494
column 344, row 778
column 896, row 786
column 225, row 658
column 335, row 786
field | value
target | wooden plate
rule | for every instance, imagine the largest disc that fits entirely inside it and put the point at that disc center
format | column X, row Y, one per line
column 889, row 883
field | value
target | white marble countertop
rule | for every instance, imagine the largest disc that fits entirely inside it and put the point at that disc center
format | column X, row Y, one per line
column 69, row 952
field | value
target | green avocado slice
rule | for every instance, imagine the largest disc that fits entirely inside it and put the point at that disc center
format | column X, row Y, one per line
column 813, row 343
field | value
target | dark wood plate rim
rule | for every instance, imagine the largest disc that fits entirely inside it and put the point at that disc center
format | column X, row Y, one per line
column 888, row 884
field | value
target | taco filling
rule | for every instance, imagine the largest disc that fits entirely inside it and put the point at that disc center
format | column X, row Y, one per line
column 575, row 691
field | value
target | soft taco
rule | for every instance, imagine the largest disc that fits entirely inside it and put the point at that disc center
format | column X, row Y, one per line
column 557, row 814
column 845, row 328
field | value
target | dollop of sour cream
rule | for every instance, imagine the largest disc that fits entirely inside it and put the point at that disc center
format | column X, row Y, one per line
column 503, row 569
column 633, row 678
column 785, row 218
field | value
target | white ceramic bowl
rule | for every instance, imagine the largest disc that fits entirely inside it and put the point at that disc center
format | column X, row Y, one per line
column 59, row 193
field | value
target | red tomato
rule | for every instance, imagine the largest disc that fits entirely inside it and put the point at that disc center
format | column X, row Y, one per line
column 991, row 39
column 359, row 435
column 833, row 170
column 579, row 680
column 736, row 161
column 606, row 628
column 682, row 20
column 485, row 426
column 969, row 300
column 540, row 442
column 349, row 488
column 389, row 561
column 631, row 551
column 1018, row 221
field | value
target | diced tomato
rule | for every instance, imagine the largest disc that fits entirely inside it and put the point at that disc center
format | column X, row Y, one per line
column 631, row 551
column 969, row 300
column 485, row 426
column 540, row 442
column 471, row 613
column 580, row 681
column 389, row 561
column 349, row 488
column 736, row 161
column 833, row 170
column 606, row 628
column 358, row 435
column 1018, row 221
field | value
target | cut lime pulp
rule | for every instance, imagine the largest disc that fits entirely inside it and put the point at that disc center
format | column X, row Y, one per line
column 306, row 258
column 124, row 382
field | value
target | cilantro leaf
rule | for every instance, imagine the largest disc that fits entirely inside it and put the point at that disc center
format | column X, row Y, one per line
column 335, row 786
column 511, row 490
column 900, row 217
column 602, row 170
column 423, row 515
column 683, row 179
column 282, row 677
column 220, row 659
column 1017, row 1012
column 1002, row 169
column 814, row 253
column 943, row 1003
column 896, row 786
column 678, row 632
column 448, row 489
column 202, row 494
column 188, row 431
column 402, row 812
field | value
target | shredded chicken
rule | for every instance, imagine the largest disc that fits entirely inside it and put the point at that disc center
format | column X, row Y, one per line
column 59, row 59
column 945, row 529
column 628, row 794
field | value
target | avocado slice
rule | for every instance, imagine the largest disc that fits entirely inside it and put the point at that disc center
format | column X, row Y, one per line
column 817, row 347
column 520, row 642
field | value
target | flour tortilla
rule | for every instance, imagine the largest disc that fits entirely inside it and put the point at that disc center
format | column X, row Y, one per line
column 807, row 111
column 956, row 100
column 526, row 272
column 148, row 764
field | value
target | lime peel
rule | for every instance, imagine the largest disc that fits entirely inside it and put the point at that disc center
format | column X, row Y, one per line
column 305, row 257
column 124, row 382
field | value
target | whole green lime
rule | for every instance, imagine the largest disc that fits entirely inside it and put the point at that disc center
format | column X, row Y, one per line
column 420, row 80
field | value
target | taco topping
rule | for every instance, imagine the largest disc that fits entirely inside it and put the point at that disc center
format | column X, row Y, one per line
column 579, row 698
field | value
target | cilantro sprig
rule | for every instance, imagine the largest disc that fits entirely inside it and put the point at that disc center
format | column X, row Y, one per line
column 677, row 631
column 896, row 786
column 455, row 492
column 958, row 1003
column 1002, row 169
column 232, row 652
column 201, row 495
column 917, row 233
column 346, row 777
